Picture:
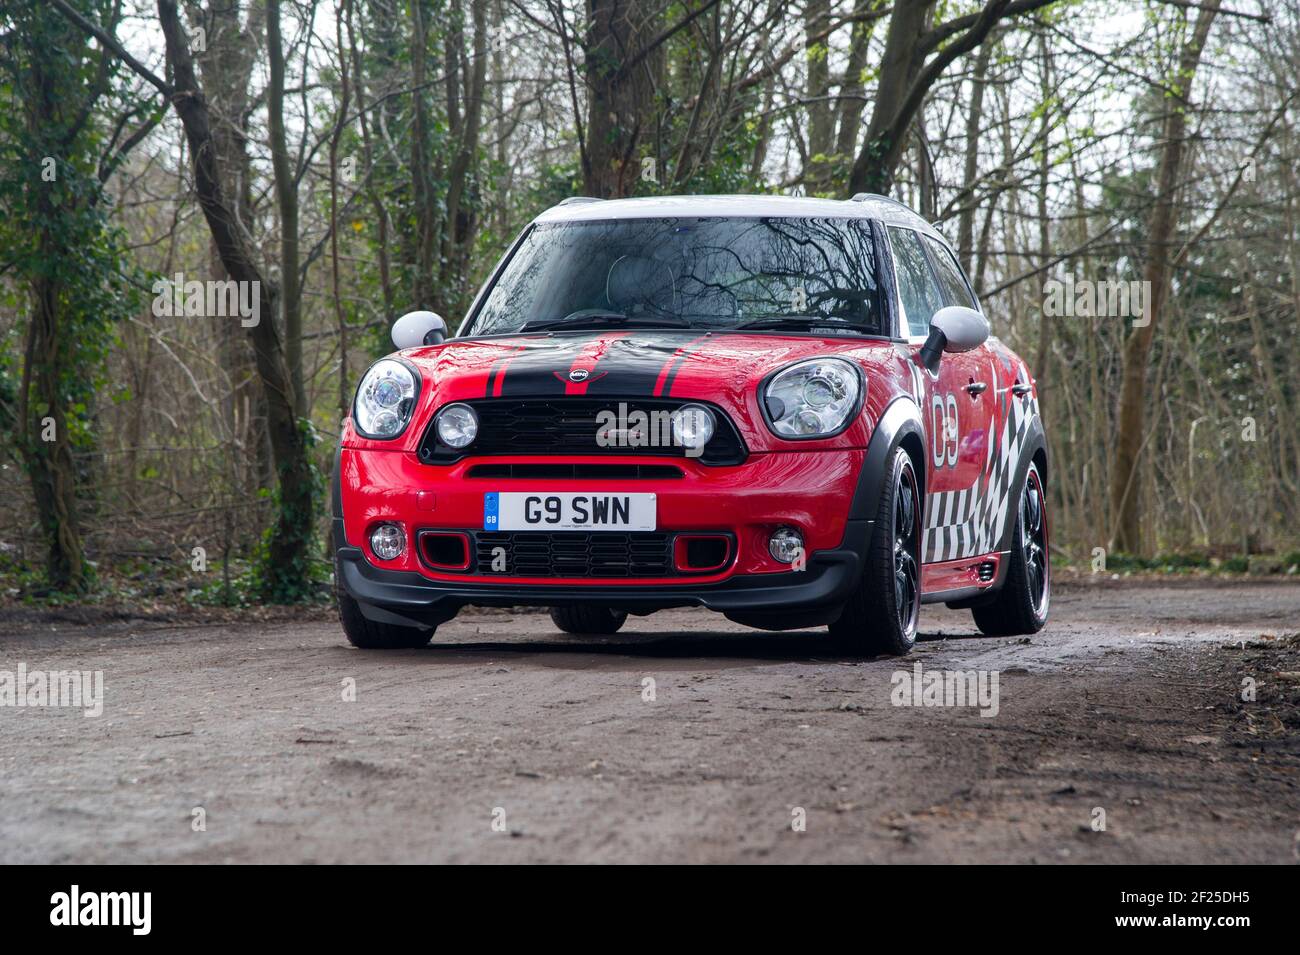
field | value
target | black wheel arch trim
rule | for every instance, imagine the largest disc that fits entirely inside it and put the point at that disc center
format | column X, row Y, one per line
column 1035, row 441
column 900, row 418
column 338, row 532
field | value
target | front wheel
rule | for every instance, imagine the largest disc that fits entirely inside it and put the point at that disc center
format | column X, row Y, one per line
column 881, row 616
column 367, row 634
column 588, row 621
column 1021, row 606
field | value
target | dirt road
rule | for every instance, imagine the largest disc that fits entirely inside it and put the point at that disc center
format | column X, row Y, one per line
column 1128, row 704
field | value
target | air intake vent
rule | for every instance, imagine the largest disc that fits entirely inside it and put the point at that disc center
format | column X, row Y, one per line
column 569, row 554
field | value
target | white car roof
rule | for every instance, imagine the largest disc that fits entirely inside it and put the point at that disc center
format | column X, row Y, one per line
column 582, row 209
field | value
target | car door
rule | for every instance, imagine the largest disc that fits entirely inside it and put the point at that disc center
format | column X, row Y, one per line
column 956, row 402
column 970, row 378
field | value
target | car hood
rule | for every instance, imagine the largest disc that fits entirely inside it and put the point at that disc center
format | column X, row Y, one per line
column 723, row 368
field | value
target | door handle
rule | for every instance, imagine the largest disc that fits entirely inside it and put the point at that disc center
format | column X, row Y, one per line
column 976, row 388
column 1020, row 390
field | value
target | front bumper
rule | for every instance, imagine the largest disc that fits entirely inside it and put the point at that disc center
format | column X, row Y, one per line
column 815, row 491
column 776, row 601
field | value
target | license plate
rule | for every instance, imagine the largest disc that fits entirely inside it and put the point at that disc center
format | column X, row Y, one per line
column 582, row 511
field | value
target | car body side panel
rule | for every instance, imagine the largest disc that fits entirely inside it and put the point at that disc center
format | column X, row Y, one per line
column 985, row 520
column 951, row 579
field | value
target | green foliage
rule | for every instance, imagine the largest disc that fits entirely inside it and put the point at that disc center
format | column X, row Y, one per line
column 56, row 244
column 9, row 384
column 31, row 586
column 275, row 579
column 245, row 587
column 1202, row 563
column 1178, row 562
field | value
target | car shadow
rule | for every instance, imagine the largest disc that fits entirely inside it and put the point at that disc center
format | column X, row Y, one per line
column 792, row 646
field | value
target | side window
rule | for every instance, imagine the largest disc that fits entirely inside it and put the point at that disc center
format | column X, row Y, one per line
column 951, row 284
column 916, row 285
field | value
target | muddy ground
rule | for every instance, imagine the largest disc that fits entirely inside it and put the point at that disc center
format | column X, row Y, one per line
column 1130, row 703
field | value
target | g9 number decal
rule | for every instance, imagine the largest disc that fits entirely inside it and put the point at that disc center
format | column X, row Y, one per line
column 943, row 430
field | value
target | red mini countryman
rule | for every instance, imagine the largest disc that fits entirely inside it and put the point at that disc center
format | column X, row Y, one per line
column 785, row 410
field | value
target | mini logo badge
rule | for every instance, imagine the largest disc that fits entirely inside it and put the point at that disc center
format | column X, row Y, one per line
column 578, row 374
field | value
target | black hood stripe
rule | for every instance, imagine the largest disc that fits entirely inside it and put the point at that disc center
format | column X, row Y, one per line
column 498, row 368
column 677, row 361
column 632, row 365
column 531, row 370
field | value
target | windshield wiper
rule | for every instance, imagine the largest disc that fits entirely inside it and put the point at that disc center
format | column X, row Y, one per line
column 599, row 320
column 802, row 321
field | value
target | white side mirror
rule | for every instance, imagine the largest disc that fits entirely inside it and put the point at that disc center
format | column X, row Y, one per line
column 963, row 328
column 953, row 329
column 419, row 328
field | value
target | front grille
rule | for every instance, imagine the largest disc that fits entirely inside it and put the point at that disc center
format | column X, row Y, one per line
column 569, row 554
column 569, row 425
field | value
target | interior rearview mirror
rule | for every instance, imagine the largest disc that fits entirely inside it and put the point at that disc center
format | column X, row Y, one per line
column 955, row 329
column 419, row 328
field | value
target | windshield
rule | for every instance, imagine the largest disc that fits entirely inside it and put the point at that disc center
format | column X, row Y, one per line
column 708, row 273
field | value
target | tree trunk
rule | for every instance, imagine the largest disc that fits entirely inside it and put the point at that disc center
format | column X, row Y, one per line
column 817, row 88
column 966, row 219
column 343, row 16
column 1042, row 373
column 906, row 78
column 621, row 69
column 383, row 228
column 285, row 562
column 227, row 68
column 286, row 197
column 422, row 187
column 459, row 228
column 47, row 443
column 1125, row 496
column 873, row 170
column 50, row 461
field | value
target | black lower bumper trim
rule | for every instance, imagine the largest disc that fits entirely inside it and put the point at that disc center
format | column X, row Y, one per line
column 827, row 582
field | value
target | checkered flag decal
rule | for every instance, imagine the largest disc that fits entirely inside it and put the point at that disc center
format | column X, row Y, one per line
column 963, row 524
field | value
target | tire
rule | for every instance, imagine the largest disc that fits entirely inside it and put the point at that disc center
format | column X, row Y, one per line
column 369, row 635
column 881, row 616
column 588, row 621
column 1020, row 607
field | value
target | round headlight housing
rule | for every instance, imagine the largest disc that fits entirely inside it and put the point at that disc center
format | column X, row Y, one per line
column 693, row 427
column 812, row 399
column 457, row 425
column 386, row 399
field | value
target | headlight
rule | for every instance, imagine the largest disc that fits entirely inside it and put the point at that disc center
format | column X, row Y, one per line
column 812, row 399
column 457, row 425
column 693, row 426
column 386, row 399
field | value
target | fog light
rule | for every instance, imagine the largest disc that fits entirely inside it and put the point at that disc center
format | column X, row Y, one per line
column 388, row 542
column 457, row 425
column 693, row 426
column 785, row 544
